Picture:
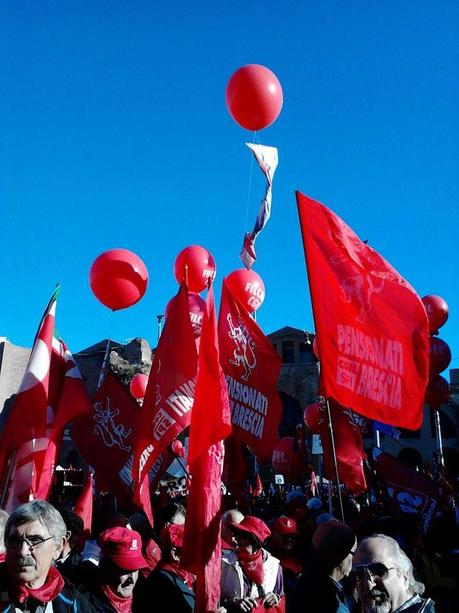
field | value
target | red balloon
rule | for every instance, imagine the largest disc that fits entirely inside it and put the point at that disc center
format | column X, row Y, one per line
column 247, row 287
column 311, row 417
column 196, row 307
column 440, row 356
column 138, row 385
column 437, row 392
column 196, row 266
column 315, row 347
column 178, row 449
column 118, row 278
column 287, row 461
column 437, row 311
column 254, row 97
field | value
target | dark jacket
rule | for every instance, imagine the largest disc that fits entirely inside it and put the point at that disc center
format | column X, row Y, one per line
column 316, row 592
column 416, row 604
column 164, row 591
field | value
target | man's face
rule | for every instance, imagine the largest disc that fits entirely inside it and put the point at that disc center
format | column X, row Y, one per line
column 346, row 564
column 284, row 542
column 29, row 563
column 382, row 587
column 122, row 582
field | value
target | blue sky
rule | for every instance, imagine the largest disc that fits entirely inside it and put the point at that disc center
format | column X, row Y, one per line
column 115, row 134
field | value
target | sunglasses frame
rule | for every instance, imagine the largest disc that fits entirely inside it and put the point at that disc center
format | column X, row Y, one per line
column 360, row 571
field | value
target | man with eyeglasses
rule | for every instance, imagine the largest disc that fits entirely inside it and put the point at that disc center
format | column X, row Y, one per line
column 385, row 580
column 35, row 534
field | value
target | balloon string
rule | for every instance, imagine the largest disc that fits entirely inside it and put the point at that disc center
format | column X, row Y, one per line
column 249, row 188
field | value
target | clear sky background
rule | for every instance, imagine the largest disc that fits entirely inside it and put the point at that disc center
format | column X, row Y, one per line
column 114, row 133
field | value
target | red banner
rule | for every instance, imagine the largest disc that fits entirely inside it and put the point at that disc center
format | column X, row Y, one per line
column 412, row 492
column 348, row 446
column 372, row 328
column 169, row 397
column 251, row 368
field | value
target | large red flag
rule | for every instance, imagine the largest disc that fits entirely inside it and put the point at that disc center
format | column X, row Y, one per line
column 348, row 446
column 166, row 409
column 372, row 327
column 210, row 424
column 105, row 437
column 251, row 368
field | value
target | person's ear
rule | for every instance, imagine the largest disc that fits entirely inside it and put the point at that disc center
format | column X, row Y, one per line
column 59, row 547
column 175, row 554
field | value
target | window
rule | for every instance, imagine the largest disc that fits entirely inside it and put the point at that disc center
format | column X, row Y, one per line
column 288, row 352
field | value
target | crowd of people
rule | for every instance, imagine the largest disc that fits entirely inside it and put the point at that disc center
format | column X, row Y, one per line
column 285, row 554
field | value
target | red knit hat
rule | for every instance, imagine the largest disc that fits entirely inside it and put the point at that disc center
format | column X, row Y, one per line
column 252, row 525
column 123, row 547
column 285, row 525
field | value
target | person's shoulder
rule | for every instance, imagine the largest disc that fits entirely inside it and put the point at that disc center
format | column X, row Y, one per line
column 73, row 599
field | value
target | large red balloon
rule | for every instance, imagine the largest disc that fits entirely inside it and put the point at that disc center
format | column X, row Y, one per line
column 311, row 417
column 254, row 97
column 437, row 392
column 440, row 356
column 138, row 385
column 247, row 287
column 118, row 278
column 196, row 266
column 287, row 461
column 196, row 307
column 437, row 311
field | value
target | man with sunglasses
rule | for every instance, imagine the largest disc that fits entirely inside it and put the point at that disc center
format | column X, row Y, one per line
column 35, row 534
column 385, row 580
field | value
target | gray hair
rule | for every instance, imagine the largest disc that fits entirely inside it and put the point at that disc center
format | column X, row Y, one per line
column 39, row 510
column 3, row 519
column 402, row 561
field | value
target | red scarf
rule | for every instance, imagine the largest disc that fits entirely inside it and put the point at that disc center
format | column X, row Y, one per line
column 120, row 604
column 174, row 568
column 252, row 565
column 48, row 591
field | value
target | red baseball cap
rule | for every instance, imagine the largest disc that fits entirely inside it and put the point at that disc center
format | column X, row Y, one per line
column 285, row 525
column 252, row 525
column 123, row 547
column 172, row 536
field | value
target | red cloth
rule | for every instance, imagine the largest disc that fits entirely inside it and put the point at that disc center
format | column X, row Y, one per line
column 235, row 468
column 175, row 569
column 120, row 604
column 372, row 328
column 260, row 608
column 258, row 488
column 210, row 423
column 251, row 367
column 348, row 447
column 169, row 397
column 152, row 554
column 252, row 565
column 48, row 591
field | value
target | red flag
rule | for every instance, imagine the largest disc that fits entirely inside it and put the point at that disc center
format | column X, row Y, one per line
column 210, row 424
column 372, row 328
column 83, row 506
column 105, row 437
column 412, row 492
column 166, row 409
column 251, row 368
column 258, row 489
column 235, row 468
column 348, row 447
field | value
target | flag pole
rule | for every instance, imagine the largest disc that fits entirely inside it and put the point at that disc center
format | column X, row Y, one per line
column 335, row 461
column 103, row 368
column 438, row 435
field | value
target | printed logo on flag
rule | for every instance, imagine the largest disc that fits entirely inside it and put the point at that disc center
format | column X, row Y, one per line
column 111, row 433
column 161, row 424
column 244, row 355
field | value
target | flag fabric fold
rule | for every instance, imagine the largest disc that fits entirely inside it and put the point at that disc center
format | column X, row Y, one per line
column 84, row 505
column 210, row 424
column 169, row 396
column 251, row 367
column 372, row 328
column 267, row 158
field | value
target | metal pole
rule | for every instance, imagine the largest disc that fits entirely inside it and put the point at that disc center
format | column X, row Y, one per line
column 377, row 438
column 441, row 459
column 335, row 461
column 103, row 368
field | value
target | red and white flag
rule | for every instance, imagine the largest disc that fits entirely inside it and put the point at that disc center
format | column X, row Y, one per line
column 267, row 159
column 210, row 424
column 251, row 368
column 372, row 327
column 258, row 487
column 169, row 397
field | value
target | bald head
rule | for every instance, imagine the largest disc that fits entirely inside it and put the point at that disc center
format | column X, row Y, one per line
column 232, row 516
